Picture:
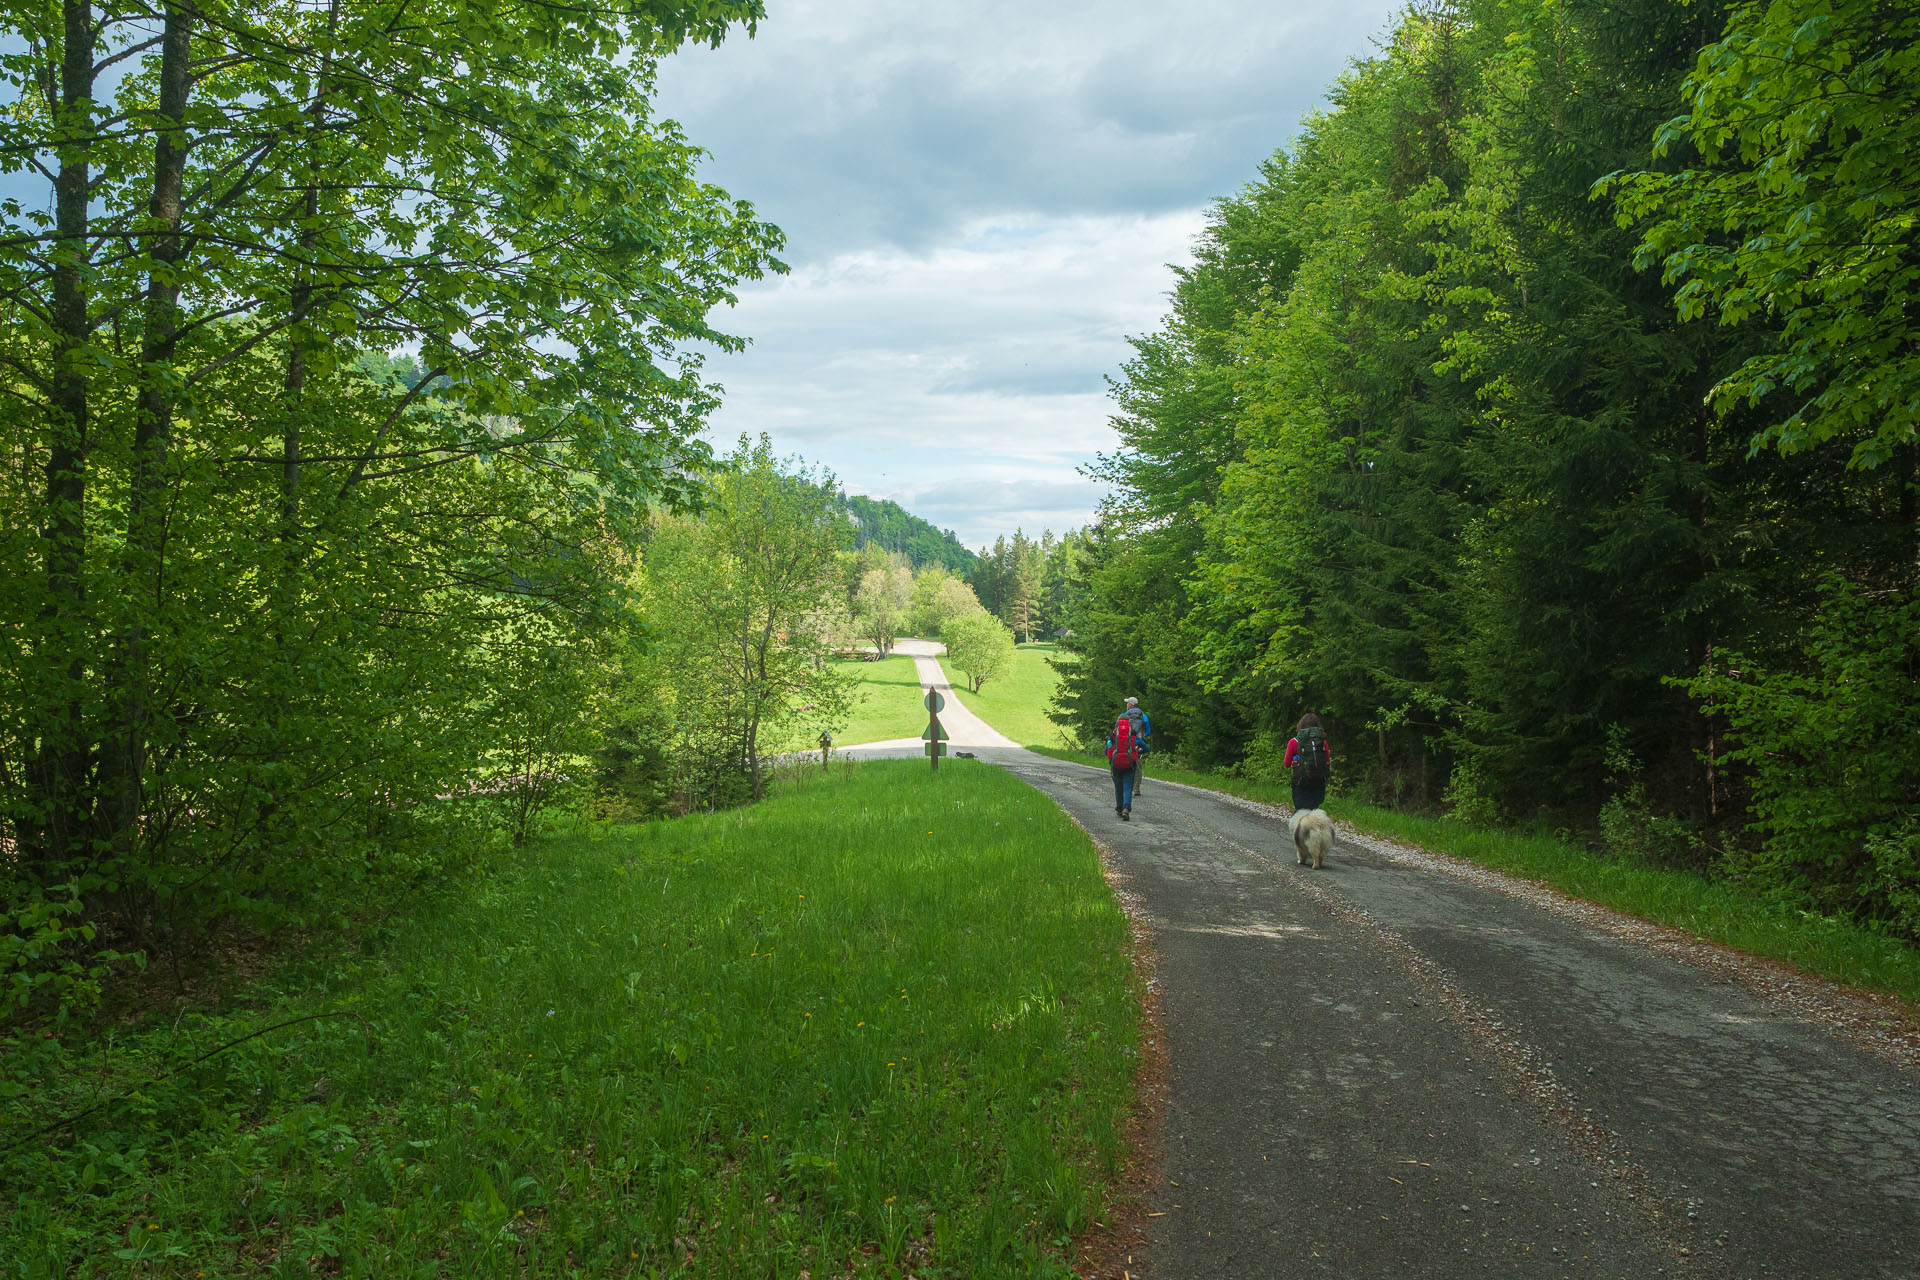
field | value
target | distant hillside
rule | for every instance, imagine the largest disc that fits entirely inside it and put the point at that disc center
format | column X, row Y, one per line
column 891, row 527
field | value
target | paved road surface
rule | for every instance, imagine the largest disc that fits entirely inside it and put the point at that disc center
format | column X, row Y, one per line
column 1393, row 1068
column 966, row 731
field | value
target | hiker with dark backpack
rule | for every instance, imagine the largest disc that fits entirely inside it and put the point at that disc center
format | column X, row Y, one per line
column 1123, row 756
column 1311, row 760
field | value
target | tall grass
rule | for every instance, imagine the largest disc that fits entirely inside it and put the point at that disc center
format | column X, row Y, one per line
column 1718, row 910
column 882, row 1022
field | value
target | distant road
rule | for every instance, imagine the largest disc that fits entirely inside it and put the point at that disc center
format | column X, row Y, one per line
column 965, row 730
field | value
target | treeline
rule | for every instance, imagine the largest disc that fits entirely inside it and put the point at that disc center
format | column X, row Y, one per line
column 293, row 625
column 889, row 527
column 1544, row 418
column 1030, row 584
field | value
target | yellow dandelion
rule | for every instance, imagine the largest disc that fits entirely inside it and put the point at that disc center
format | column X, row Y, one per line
column 153, row 1226
column 859, row 1024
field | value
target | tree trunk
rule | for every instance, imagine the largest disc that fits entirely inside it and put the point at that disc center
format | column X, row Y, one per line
column 123, row 765
column 59, row 765
column 1909, row 482
column 753, row 755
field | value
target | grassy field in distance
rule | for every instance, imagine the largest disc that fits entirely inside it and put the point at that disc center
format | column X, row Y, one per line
column 842, row 1032
column 1016, row 703
column 887, row 701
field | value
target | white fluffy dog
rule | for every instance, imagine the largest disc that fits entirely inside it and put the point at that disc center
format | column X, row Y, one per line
column 1312, row 833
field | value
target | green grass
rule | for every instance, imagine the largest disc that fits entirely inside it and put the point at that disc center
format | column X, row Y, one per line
column 881, row 1023
column 887, row 701
column 1715, row 910
column 1016, row 703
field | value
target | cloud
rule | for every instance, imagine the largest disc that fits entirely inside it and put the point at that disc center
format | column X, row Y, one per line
column 975, row 365
column 856, row 122
column 981, row 201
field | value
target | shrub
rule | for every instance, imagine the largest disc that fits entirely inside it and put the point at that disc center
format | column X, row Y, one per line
column 1834, row 750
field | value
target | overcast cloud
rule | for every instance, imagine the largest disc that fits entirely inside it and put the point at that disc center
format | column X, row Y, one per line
column 981, row 201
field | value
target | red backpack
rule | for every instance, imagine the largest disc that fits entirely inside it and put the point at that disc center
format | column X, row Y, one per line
column 1125, row 752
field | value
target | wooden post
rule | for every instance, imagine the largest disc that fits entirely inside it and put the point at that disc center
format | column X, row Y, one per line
column 826, row 748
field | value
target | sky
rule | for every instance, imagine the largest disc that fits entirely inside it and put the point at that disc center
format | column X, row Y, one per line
column 982, row 200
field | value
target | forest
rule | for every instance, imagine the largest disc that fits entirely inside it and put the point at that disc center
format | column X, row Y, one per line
column 890, row 527
column 1544, row 418
column 350, row 353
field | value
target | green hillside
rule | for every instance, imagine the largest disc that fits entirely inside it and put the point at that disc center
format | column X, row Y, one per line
column 890, row 526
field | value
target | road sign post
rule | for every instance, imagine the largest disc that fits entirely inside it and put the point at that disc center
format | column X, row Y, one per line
column 936, row 737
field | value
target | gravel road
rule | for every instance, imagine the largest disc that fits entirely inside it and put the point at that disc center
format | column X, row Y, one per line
column 1398, row 1066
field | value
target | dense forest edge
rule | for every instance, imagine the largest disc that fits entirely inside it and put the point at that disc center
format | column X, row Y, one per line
column 1544, row 418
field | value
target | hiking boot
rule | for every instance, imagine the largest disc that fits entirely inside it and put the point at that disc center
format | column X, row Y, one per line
column 1126, row 815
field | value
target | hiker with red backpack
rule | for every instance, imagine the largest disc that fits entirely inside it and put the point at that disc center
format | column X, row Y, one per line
column 1311, row 760
column 1142, row 734
column 1124, row 748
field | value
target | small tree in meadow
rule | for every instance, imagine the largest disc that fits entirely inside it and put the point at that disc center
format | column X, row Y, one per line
column 980, row 646
column 881, row 603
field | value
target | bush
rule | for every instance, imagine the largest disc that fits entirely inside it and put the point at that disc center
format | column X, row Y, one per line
column 1628, row 825
column 1467, row 797
column 1834, row 750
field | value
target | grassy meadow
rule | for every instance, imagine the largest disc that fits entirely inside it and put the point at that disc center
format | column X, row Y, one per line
column 882, row 1022
column 1016, row 704
column 1715, row 910
column 886, row 702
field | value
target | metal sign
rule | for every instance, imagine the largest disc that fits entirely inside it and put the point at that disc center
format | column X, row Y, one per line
column 935, row 749
column 934, row 731
column 935, row 703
